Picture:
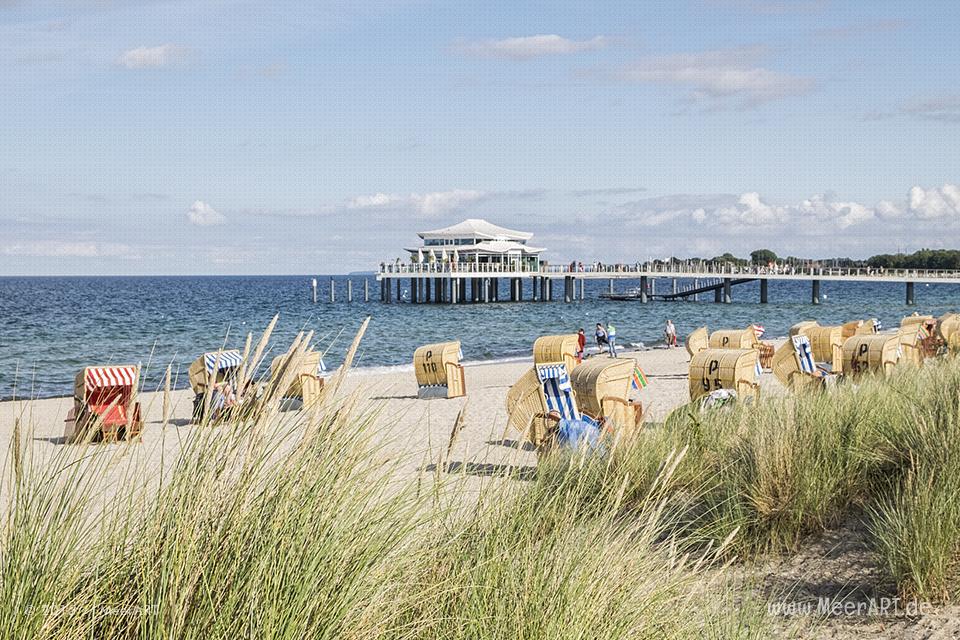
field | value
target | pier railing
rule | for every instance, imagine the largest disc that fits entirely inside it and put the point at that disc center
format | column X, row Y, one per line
column 677, row 269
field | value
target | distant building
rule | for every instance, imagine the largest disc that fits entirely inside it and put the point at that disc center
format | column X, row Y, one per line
column 477, row 241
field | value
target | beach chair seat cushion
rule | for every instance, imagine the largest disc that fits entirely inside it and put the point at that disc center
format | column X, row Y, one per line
column 574, row 434
column 110, row 414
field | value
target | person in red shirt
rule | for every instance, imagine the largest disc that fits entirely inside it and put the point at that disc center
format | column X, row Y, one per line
column 581, row 344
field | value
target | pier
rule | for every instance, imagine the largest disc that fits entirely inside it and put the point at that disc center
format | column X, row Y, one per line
column 461, row 283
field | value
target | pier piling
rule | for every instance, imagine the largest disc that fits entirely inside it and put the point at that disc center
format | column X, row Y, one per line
column 815, row 292
column 349, row 290
column 366, row 290
column 333, row 291
column 910, row 298
column 314, row 291
column 727, row 295
column 643, row 289
column 763, row 291
column 399, row 298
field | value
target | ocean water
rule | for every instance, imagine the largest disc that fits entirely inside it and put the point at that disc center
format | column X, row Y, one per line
column 51, row 327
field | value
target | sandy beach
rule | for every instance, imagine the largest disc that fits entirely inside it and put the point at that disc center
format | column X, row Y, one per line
column 413, row 432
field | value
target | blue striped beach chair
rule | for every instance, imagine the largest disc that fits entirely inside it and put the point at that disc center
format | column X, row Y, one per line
column 213, row 367
column 801, row 346
column 557, row 390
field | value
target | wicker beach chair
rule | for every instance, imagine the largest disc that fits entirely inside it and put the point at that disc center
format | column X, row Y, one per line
column 306, row 384
column 209, row 370
column 438, row 371
column 948, row 330
column 731, row 369
column 541, row 390
column 561, row 348
column 918, row 338
column 734, row 339
column 697, row 341
column 868, row 328
column 794, row 366
column 826, row 345
column 850, row 329
column 877, row 353
column 602, row 388
column 105, row 405
column 802, row 327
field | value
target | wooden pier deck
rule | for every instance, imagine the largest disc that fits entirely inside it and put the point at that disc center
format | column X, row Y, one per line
column 456, row 284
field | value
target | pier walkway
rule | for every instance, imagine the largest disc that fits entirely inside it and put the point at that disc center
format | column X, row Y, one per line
column 461, row 282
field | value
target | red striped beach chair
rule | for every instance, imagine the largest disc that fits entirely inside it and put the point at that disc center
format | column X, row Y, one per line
column 105, row 401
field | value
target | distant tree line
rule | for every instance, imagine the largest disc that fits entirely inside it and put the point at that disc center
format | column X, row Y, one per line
column 923, row 259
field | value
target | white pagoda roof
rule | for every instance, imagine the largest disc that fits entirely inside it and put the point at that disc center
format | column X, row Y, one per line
column 486, row 246
column 477, row 229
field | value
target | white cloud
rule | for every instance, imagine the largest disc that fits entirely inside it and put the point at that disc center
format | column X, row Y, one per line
column 716, row 75
column 59, row 249
column 819, row 214
column 376, row 200
column 153, row 57
column 528, row 47
column 203, row 215
column 427, row 204
column 939, row 109
column 935, row 203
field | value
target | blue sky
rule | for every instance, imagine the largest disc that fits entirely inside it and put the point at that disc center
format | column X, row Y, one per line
column 241, row 137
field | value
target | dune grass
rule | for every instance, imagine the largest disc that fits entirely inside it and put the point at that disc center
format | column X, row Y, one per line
column 884, row 451
column 294, row 524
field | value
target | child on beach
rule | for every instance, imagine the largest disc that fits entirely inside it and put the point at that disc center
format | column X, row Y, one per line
column 581, row 345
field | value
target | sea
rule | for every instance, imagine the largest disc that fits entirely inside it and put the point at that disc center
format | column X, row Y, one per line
column 52, row 327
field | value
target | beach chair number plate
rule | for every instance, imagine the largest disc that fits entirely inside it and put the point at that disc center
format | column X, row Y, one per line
column 712, row 368
column 429, row 367
column 860, row 362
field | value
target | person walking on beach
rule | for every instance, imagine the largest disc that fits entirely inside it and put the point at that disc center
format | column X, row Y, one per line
column 612, row 340
column 670, row 333
column 581, row 345
column 601, row 336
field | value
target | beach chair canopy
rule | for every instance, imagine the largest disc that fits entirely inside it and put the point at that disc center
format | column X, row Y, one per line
column 557, row 390
column 851, row 328
column 869, row 327
column 431, row 361
column 802, row 327
column 226, row 364
column 560, row 348
column 914, row 320
column 734, row 339
column 878, row 353
column 310, row 368
column 697, row 341
column 524, row 400
column 948, row 328
column 96, row 378
column 734, row 369
column 825, row 343
column 804, row 354
column 597, row 379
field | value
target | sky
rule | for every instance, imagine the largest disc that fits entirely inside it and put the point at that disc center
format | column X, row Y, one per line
column 227, row 137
